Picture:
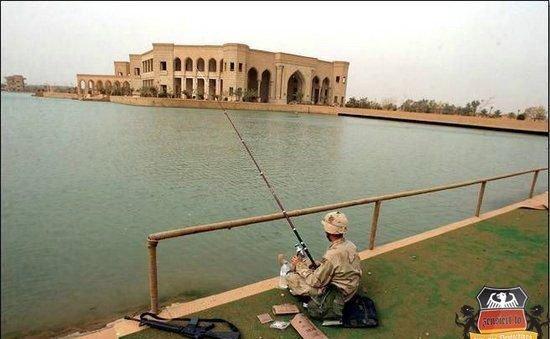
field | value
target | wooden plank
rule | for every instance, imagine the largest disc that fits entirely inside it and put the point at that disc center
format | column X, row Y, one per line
column 305, row 327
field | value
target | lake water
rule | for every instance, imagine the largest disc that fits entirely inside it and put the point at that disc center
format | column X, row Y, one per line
column 84, row 183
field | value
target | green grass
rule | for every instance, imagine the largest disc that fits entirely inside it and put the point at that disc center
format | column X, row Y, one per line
column 419, row 288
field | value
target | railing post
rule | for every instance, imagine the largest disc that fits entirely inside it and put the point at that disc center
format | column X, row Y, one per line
column 535, row 176
column 153, row 286
column 480, row 197
column 374, row 223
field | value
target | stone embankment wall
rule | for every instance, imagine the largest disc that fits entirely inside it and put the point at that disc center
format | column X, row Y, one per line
column 59, row 95
column 254, row 106
column 503, row 123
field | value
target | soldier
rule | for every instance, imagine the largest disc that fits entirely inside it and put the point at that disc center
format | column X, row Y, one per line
column 335, row 280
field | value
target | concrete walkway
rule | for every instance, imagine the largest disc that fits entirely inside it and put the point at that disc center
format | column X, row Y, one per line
column 417, row 283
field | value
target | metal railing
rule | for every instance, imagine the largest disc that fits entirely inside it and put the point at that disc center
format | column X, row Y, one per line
column 153, row 239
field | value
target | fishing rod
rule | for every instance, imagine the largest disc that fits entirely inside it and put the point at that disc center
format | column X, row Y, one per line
column 301, row 246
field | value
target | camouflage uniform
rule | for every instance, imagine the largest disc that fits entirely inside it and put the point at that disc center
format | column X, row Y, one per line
column 335, row 280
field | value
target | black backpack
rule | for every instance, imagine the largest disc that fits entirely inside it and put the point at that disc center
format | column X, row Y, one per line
column 359, row 312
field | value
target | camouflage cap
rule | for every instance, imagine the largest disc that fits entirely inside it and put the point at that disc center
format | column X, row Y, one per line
column 335, row 223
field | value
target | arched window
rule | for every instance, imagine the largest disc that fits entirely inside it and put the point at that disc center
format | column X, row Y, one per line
column 177, row 64
column 188, row 64
column 200, row 65
column 211, row 65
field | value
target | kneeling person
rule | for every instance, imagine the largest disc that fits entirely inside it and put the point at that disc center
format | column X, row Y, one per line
column 336, row 279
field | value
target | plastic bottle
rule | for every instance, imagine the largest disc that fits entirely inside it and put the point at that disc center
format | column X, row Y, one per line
column 285, row 268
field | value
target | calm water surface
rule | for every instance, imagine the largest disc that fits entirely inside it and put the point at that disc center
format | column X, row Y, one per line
column 84, row 183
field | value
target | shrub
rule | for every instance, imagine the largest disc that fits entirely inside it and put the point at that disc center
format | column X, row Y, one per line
column 250, row 95
column 148, row 91
column 188, row 94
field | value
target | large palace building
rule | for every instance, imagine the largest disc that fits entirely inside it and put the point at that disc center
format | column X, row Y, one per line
column 230, row 72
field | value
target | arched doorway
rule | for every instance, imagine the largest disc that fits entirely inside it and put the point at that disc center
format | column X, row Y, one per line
column 117, row 90
column 99, row 86
column 295, row 88
column 325, row 87
column 315, row 90
column 252, row 84
column 91, row 86
column 200, row 88
column 126, row 90
column 108, row 87
column 264, row 86
column 82, row 86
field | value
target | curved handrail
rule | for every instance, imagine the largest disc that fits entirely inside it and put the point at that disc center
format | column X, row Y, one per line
column 153, row 239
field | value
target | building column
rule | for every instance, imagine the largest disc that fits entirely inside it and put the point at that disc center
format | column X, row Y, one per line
column 259, row 99
column 195, row 94
column 218, row 87
column 271, row 93
column 278, row 82
column 206, row 87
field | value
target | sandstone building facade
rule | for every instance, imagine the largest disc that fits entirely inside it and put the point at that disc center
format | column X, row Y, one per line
column 15, row 83
column 228, row 72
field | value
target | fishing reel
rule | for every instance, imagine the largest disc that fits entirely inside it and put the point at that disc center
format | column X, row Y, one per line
column 300, row 251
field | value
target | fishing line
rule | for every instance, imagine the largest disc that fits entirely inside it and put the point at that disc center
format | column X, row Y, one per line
column 279, row 203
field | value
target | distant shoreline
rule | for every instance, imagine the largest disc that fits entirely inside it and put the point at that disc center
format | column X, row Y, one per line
column 500, row 124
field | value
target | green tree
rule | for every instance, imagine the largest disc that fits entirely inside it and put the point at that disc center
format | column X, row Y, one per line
column 352, row 102
column 126, row 90
column 535, row 113
column 471, row 107
column 483, row 112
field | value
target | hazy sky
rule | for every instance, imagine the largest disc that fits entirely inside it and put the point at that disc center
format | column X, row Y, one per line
column 446, row 51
